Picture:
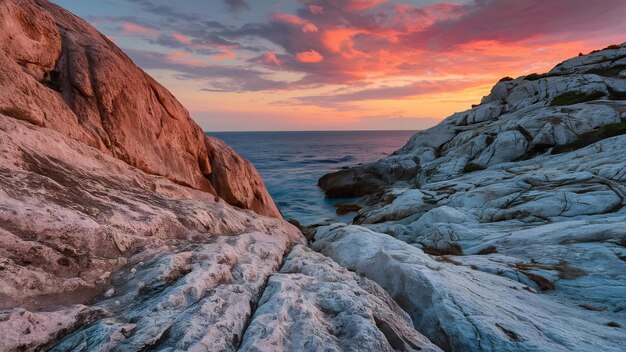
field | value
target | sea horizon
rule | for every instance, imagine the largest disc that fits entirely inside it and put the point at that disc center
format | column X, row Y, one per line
column 275, row 131
column 291, row 162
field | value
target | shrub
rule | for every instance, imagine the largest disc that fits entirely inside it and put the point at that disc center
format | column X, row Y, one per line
column 505, row 79
column 543, row 283
column 613, row 324
column 453, row 249
column 612, row 46
column 535, row 76
column 585, row 139
column 488, row 250
column 571, row 98
column 607, row 71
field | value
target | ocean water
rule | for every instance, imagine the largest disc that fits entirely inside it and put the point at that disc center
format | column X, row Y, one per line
column 292, row 162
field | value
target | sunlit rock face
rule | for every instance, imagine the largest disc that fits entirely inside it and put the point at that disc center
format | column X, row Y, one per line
column 98, row 255
column 506, row 232
column 122, row 227
column 58, row 72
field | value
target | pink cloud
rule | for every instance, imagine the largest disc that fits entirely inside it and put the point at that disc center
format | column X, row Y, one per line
column 135, row 29
column 305, row 25
column 226, row 54
column 271, row 59
column 310, row 56
column 316, row 9
column 181, row 57
column 363, row 4
column 181, row 38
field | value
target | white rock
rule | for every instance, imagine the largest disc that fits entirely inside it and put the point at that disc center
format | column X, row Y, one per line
column 313, row 304
column 468, row 310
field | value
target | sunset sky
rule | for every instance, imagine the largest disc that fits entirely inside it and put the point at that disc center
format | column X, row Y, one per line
column 345, row 64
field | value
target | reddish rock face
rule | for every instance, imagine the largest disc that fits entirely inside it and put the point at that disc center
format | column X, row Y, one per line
column 60, row 73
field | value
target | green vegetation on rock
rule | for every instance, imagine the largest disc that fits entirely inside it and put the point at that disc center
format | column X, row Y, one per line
column 585, row 139
column 570, row 98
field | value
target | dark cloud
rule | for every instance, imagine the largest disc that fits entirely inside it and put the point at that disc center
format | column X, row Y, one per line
column 237, row 5
column 508, row 21
column 361, row 39
column 218, row 78
column 387, row 92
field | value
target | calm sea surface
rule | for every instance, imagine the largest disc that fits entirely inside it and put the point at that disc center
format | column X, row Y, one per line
column 292, row 162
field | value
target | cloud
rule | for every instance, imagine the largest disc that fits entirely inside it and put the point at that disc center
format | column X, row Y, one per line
column 310, row 56
column 134, row 29
column 237, row 5
column 305, row 25
column 217, row 78
column 316, row 9
column 338, row 98
column 507, row 21
column 268, row 59
column 369, row 46
column 362, row 4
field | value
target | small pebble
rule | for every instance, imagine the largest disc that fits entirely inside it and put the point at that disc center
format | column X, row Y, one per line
column 109, row 293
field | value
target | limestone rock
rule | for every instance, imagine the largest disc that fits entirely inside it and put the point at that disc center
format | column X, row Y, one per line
column 463, row 309
column 313, row 304
column 518, row 119
column 509, row 236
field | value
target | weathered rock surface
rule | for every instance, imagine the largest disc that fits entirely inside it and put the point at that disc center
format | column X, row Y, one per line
column 105, row 256
column 124, row 228
column 59, row 72
column 519, row 119
column 465, row 309
column 314, row 304
column 519, row 205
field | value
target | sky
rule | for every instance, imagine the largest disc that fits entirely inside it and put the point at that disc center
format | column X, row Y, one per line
column 244, row 65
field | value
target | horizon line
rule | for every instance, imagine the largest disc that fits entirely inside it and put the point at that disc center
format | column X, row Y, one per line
column 266, row 131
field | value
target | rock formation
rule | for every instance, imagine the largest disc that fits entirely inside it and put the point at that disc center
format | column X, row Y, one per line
column 124, row 228
column 58, row 72
column 503, row 225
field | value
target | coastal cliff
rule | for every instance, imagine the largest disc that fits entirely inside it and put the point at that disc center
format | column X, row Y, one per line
column 124, row 228
column 503, row 224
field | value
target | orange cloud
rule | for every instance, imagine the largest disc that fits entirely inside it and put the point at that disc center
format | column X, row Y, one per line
column 305, row 25
column 310, row 56
column 226, row 54
column 270, row 58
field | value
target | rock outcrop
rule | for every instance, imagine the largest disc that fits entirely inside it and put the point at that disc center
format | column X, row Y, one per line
column 124, row 228
column 505, row 230
column 315, row 304
column 58, row 72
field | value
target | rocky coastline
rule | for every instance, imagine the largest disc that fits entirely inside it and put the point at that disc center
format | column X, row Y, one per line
column 124, row 228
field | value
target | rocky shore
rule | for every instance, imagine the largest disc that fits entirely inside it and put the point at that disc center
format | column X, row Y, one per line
column 124, row 228
column 503, row 225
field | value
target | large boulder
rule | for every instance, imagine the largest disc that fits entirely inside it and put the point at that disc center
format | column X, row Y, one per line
column 60, row 73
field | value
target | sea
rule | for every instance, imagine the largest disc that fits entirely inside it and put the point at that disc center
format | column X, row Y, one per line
column 292, row 162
